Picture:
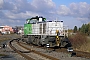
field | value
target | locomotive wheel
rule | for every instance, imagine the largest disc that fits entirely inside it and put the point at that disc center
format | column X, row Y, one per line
column 29, row 39
column 36, row 41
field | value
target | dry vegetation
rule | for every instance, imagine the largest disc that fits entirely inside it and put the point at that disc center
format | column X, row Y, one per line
column 80, row 42
column 8, row 37
column 4, row 37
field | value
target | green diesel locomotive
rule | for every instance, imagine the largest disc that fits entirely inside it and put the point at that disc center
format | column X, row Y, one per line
column 40, row 32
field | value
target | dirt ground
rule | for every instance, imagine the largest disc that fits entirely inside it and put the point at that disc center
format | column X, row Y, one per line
column 8, row 37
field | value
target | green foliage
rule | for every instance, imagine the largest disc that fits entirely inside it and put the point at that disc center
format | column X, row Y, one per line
column 85, row 29
column 3, row 55
column 75, row 29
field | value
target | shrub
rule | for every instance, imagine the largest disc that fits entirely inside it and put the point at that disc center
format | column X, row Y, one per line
column 78, row 40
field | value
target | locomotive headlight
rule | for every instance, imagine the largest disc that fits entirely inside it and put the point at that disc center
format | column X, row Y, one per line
column 43, row 40
column 47, row 45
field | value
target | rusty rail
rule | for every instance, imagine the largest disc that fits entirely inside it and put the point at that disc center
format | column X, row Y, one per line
column 49, row 57
column 17, row 51
column 78, row 53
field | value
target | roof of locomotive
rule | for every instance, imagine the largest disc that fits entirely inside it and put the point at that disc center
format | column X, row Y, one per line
column 38, row 19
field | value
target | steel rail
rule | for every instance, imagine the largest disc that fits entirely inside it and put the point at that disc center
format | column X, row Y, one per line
column 17, row 51
column 78, row 53
column 49, row 57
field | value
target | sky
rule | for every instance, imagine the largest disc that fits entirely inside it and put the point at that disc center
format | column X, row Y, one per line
column 72, row 12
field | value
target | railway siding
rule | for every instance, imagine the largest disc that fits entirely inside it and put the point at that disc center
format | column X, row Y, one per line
column 27, row 57
column 60, row 55
column 33, row 54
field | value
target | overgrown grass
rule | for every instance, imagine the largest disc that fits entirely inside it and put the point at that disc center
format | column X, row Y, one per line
column 3, row 55
column 4, row 39
column 79, row 41
column 85, row 47
column 8, row 37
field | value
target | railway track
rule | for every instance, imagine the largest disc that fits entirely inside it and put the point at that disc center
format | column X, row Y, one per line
column 48, row 57
column 77, row 53
column 27, row 55
column 17, row 51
